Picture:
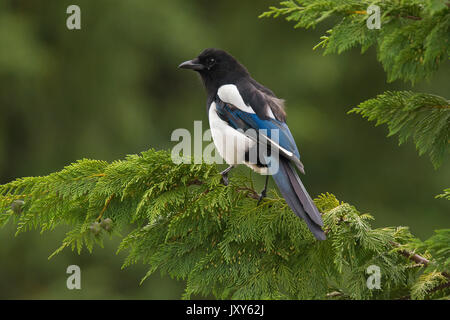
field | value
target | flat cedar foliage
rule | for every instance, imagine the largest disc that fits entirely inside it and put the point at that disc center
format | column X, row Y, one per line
column 190, row 226
column 186, row 224
column 411, row 44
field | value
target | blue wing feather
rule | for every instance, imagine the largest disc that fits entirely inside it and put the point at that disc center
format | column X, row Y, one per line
column 285, row 177
column 239, row 119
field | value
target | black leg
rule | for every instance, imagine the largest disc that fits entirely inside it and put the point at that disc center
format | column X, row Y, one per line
column 264, row 191
column 224, row 174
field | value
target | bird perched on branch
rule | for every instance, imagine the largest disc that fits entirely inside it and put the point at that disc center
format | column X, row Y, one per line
column 247, row 118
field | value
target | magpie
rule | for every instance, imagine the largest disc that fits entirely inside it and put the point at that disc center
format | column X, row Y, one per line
column 236, row 105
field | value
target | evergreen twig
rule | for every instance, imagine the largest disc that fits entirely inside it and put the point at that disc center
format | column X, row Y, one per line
column 190, row 226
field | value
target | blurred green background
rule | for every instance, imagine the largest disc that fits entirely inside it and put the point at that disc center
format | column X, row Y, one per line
column 113, row 88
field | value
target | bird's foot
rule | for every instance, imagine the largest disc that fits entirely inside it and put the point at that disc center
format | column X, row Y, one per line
column 224, row 174
column 225, row 178
column 261, row 196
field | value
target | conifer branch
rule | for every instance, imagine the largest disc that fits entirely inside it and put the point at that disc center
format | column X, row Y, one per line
column 251, row 193
column 412, row 256
column 421, row 261
column 364, row 12
column 423, row 117
column 105, row 207
column 190, row 226
column 440, row 287
column 411, row 51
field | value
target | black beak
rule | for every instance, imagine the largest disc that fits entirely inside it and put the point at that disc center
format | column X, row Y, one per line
column 192, row 64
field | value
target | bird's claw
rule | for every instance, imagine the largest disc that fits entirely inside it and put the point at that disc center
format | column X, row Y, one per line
column 224, row 174
column 225, row 179
column 261, row 196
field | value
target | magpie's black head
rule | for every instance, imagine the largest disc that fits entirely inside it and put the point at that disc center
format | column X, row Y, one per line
column 216, row 67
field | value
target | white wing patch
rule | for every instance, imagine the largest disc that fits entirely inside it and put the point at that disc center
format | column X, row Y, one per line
column 231, row 143
column 229, row 93
column 271, row 113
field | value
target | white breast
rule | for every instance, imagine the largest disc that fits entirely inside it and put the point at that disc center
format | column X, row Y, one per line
column 230, row 143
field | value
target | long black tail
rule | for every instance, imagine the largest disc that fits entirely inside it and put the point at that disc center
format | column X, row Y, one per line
column 298, row 199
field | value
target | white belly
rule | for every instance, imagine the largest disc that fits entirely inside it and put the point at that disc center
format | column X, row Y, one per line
column 230, row 143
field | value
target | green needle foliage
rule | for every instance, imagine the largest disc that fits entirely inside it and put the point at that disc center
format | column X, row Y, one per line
column 184, row 223
column 423, row 117
column 445, row 195
column 411, row 44
column 188, row 225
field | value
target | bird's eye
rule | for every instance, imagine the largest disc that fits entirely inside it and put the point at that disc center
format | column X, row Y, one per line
column 211, row 61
